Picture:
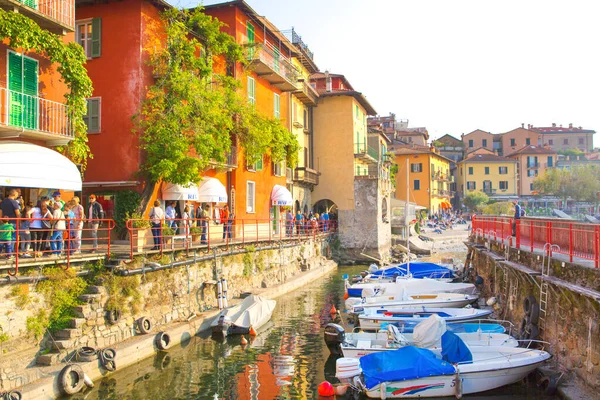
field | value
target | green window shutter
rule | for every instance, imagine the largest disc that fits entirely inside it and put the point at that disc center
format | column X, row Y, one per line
column 96, row 37
column 276, row 105
column 251, row 90
column 250, row 34
column 30, row 3
column 259, row 165
column 30, row 89
column 15, row 72
column 93, row 115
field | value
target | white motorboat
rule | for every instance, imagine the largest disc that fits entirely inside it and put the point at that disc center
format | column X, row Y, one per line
column 427, row 334
column 407, row 285
column 253, row 312
column 412, row 372
column 395, row 302
column 372, row 318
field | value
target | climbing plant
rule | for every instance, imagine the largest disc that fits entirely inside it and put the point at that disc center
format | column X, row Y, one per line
column 194, row 109
column 20, row 32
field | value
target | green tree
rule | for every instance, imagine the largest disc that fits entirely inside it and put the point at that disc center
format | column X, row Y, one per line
column 499, row 208
column 580, row 183
column 571, row 153
column 437, row 143
column 475, row 199
column 190, row 115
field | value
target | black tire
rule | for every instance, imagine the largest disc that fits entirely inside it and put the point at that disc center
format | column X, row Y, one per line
column 162, row 360
column 110, row 365
column 534, row 313
column 529, row 300
column 549, row 385
column 144, row 325
column 113, row 316
column 524, row 323
column 86, row 354
column 109, row 354
column 13, row 395
column 163, row 340
column 71, row 379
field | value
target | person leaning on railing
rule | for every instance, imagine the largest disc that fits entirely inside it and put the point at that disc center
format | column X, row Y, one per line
column 157, row 216
column 202, row 221
column 6, row 237
column 95, row 215
column 77, row 224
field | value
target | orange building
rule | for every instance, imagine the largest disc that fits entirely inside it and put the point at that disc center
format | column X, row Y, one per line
column 532, row 161
column 33, row 115
column 124, row 28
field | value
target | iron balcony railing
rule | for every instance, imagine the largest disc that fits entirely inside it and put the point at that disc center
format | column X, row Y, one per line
column 34, row 117
column 231, row 160
column 306, row 175
column 269, row 55
column 366, row 151
column 297, row 40
column 54, row 15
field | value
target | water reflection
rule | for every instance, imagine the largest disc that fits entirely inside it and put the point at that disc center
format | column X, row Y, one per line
column 286, row 360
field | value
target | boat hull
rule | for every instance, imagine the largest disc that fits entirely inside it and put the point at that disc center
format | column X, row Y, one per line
column 434, row 303
column 373, row 322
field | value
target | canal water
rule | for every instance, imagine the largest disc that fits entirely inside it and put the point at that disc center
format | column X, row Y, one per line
column 287, row 360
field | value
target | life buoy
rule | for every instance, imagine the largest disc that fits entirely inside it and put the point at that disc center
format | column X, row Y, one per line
column 113, row 316
column 144, row 325
column 86, row 354
column 71, row 379
column 163, row 340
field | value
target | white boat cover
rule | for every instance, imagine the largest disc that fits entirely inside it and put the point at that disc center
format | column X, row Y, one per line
column 171, row 191
column 30, row 166
column 254, row 311
column 280, row 196
column 211, row 190
column 428, row 334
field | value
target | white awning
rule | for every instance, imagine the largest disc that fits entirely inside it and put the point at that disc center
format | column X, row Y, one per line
column 280, row 196
column 211, row 190
column 178, row 192
column 30, row 166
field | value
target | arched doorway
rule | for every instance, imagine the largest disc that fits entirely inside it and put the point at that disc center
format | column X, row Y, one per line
column 297, row 207
column 324, row 205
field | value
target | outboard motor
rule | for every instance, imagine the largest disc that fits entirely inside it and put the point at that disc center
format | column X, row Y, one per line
column 334, row 337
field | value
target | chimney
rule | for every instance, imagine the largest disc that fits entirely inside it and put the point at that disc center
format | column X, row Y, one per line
column 554, row 125
column 327, row 82
column 570, row 126
column 523, row 125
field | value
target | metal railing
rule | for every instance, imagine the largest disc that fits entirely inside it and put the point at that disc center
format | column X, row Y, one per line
column 62, row 11
column 363, row 148
column 203, row 234
column 307, row 175
column 62, row 239
column 576, row 240
column 297, row 39
column 309, row 90
column 267, row 54
column 32, row 113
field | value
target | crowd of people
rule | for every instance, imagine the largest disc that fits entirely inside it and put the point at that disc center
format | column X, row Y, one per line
column 51, row 227
column 303, row 223
column 444, row 219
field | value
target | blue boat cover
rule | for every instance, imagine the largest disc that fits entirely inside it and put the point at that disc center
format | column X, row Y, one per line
column 417, row 270
column 454, row 350
column 400, row 365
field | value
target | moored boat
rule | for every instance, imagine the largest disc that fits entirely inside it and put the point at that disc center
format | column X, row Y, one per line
column 407, row 285
column 252, row 313
column 372, row 318
column 434, row 300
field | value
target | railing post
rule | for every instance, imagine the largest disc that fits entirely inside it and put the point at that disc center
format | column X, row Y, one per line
column 271, row 229
column 596, row 247
column 243, row 233
column 256, row 230
column 518, row 233
column 531, row 233
column 208, row 234
column 502, row 230
column 130, row 230
column 109, row 229
column 571, row 242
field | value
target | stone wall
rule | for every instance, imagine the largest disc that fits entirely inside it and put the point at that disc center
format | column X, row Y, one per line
column 363, row 230
column 165, row 296
column 571, row 325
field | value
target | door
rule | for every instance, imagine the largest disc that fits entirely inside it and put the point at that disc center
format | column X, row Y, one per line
column 23, row 90
column 275, row 216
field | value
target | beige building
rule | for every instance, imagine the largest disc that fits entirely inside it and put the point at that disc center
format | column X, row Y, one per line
column 517, row 139
column 532, row 161
column 478, row 139
column 559, row 138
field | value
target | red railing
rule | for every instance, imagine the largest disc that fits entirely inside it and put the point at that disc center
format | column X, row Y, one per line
column 45, row 239
column 190, row 234
column 575, row 239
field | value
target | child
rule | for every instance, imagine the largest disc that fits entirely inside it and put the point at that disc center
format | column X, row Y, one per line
column 24, row 232
column 6, row 235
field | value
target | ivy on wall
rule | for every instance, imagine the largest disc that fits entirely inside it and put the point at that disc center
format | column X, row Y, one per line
column 22, row 33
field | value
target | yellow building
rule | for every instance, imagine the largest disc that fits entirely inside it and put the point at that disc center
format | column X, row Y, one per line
column 428, row 176
column 487, row 172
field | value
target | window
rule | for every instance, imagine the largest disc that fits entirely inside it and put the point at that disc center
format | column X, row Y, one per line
column 565, row 141
column 279, row 168
column 531, row 186
column 251, row 91
column 527, row 141
column 580, row 140
column 250, row 197
column 503, row 185
column 276, row 103
column 416, row 184
column 550, row 142
column 503, row 170
column 470, row 170
column 417, row 167
column 487, row 170
column 470, row 143
column 471, row 185
column 357, row 111
column 92, row 117
column 305, row 119
column 512, row 142
column 532, row 172
column 532, row 162
column 89, row 36
column 484, row 142
column 22, row 84
column 250, row 34
column 487, row 186
column 461, row 171
column 550, row 162
column 256, row 166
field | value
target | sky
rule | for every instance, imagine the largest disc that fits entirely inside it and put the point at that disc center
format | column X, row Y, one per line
column 460, row 65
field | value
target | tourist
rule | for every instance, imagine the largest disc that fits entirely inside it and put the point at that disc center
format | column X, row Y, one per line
column 186, row 220
column 72, row 221
column 517, row 217
column 56, row 198
column 202, row 216
column 325, row 219
column 77, row 223
column 59, row 226
column 6, row 237
column 224, row 217
column 95, row 216
column 40, row 226
column 298, row 218
column 11, row 210
column 24, row 232
column 157, row 215
column 289, row 222
column 171, row 215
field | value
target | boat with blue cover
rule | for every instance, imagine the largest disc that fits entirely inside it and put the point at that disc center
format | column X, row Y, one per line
column 371, row 319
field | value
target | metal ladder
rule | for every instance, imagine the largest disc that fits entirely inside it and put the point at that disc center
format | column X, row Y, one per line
column 544, row 287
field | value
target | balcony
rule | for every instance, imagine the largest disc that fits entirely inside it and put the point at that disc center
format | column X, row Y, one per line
column 56, row 16
column 365, row 153
column 441, row 193
column 489, row 191
column 307, row 94
column 306, row 176
column 388, row 158
column 230, row 163
column 273, row 67
column 26, row 116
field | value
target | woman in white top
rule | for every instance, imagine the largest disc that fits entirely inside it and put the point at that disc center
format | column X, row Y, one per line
column 56, row 240
column 79, row 213
column 40, row 225
column 157, row 215
column 187, row 220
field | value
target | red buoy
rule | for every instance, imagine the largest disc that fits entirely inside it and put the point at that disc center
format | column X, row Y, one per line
column 333, row 310
column 346, row 295
column 252, row 331
column 325, row 389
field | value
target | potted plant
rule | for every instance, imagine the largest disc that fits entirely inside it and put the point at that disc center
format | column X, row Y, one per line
column 196, row 232
column 167, row 234
column 139, row 230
